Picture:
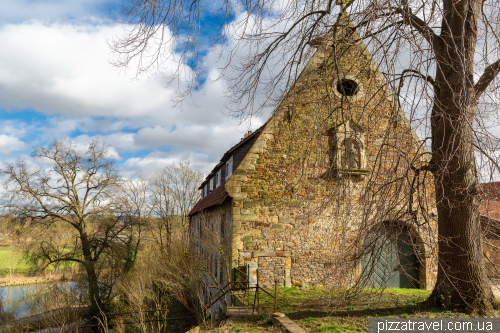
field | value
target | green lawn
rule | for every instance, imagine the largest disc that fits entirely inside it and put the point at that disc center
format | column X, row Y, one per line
column 11, row 261
column 318, row 309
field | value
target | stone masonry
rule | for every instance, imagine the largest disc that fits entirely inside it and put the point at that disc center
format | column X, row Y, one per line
column 297, row 210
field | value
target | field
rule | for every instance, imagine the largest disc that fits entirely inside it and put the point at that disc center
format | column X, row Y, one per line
column 11, row 262
column 320, row 310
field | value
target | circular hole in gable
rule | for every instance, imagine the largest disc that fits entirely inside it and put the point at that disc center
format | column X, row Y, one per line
column 347, row 87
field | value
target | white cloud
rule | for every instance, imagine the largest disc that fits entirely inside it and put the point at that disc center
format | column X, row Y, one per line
column 62, row 71
column 155, row 161
column 9, row 144
column 54, row 10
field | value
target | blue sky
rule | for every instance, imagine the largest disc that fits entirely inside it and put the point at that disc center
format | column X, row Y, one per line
column 56, row 81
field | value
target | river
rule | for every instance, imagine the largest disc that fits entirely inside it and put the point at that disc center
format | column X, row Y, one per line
column 29, row 300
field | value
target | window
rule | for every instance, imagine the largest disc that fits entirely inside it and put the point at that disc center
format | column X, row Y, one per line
column 347, row 87
column 229, row 168
column 217, row 178
column 201, row 193
column 210, row 186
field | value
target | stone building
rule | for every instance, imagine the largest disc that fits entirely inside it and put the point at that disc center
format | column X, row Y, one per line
column 328, row 190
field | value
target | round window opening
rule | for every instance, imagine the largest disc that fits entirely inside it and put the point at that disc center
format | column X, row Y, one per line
column 347, row 87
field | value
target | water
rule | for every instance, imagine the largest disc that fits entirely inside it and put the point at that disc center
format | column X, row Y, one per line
column 22, row 300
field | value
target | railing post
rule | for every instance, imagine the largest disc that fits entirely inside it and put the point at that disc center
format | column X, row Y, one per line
column 275, row 294
column 258, row 299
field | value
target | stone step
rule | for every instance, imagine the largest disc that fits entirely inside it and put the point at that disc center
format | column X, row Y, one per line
column 289, row 325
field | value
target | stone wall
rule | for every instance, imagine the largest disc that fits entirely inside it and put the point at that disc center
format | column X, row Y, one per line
column 288, row 197
column 271, row 270
column 211, row 239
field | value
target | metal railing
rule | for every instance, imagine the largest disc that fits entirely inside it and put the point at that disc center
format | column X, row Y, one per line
column 227, row 289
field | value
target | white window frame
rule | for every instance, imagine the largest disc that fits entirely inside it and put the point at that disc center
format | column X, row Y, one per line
column 217, row 178
column 202, row 193
column 229, row 168
column 210, row 183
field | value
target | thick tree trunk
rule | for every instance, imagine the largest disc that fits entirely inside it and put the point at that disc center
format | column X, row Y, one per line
column 462, row 283
column 94, row 295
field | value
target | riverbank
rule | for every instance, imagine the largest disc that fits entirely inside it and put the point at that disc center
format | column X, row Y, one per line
column 22, row 280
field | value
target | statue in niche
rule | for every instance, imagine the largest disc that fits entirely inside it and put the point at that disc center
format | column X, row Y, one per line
column 350, row 154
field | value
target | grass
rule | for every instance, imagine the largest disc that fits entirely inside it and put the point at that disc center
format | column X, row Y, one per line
column 11, row 261
column 318, row 309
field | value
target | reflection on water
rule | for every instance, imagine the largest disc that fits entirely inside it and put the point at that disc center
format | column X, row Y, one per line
column 29, row 300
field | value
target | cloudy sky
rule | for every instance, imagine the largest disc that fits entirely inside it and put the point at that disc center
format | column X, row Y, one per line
column 56, row 81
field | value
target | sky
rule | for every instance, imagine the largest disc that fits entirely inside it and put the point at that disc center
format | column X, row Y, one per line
column 56, row 81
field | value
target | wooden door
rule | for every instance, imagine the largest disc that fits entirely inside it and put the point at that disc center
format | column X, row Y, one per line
column 389, row 258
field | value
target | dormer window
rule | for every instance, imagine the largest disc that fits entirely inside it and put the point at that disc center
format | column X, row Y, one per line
column 210, row 188
column 201, row 193
column 218, row 178
column 229, row 168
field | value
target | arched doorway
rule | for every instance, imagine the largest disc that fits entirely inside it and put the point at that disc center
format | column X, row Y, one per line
column 389, row 258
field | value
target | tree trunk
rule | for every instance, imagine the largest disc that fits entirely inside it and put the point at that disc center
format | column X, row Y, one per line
column 462, row 283
column 94, row 295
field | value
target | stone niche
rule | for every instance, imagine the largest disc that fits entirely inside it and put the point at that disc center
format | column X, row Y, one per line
column 347, row 150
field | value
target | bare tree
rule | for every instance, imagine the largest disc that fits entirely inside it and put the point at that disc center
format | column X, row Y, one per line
column 174, row 191
column 76, row 192
column 134, row 198
column 440, row 58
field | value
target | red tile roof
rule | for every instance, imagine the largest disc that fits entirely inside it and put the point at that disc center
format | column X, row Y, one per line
column 490, row 209
column 490, row 191
column 216, row 197
column 490, row 200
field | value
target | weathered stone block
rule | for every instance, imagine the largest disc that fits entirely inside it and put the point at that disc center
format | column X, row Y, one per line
column 246, row 218
column 248, row 189
column 246, row 238
column 247, row 211
column 288, row 263
column 239, row 195
column 245, row 254
column 277, row 226
column 249, row 244
column 242, row 178
column 255, row 232
column 263, row 254
column 273, row 219
column 288, row 278
column 286, row 219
